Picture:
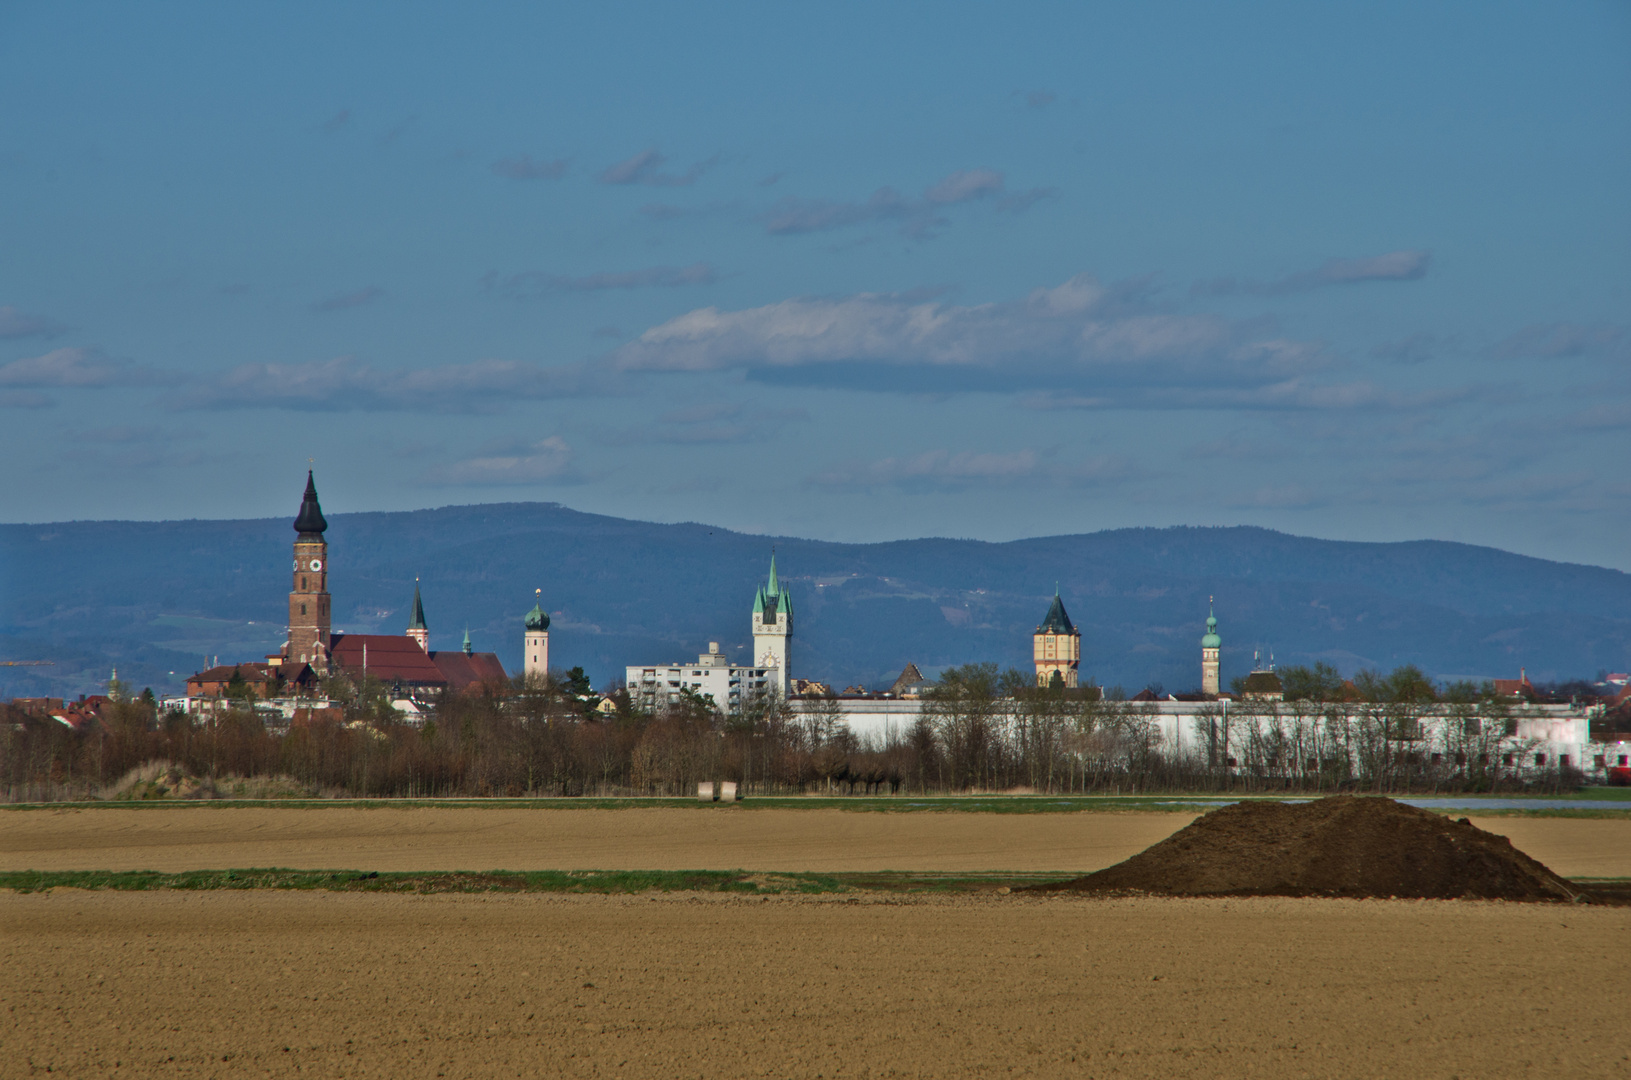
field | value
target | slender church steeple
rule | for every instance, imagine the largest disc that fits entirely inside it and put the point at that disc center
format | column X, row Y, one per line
column 309, row 617
column 416, row 625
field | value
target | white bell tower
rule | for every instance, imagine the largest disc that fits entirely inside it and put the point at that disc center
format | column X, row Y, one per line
column 535, row 641
column 772, row 628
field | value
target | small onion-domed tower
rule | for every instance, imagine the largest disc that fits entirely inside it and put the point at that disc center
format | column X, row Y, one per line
column 309, row 619
column 535, row 642
column 1210, row 645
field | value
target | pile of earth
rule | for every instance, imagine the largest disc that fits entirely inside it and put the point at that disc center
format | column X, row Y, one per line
column 1342, row 846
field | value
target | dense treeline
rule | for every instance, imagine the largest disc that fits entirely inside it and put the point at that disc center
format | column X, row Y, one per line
column 980, row 730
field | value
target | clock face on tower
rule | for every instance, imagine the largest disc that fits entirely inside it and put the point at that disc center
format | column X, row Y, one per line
column 297, row 564
column 316, row 565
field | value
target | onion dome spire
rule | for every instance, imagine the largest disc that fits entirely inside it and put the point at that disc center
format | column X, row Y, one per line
column 538, row 618
column 309, row 522
column 1211, row 640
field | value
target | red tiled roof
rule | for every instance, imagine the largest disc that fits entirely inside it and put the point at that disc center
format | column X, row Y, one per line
column 390, row 658
column 463, row 670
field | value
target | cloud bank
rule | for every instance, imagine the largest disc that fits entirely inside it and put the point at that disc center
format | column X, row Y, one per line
column 1079, row 336
column 646, row 169
column 18, row 324
column 917, row 215
column 533, row 284
column 547, row 461
column 345, row 384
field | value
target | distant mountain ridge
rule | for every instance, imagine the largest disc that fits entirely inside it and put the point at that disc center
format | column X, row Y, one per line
column 159, row 597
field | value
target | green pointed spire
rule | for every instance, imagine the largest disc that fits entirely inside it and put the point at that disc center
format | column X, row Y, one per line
column 759, row 601
column 467, row 641
column 418, row 620
column 772, row 588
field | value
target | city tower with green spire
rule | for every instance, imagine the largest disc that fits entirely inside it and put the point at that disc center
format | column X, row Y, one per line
column 772, row 627
column 1211, row 645
column 535, row 640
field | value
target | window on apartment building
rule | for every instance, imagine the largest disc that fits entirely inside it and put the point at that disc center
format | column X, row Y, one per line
column 1507, row 759
column 1563, row 761
column 1600, row 760
column 1231, row 763
column 1313, row 764
column 1483, row 759
column 1461, row 759
column 1540, row 759
column 1625, row 759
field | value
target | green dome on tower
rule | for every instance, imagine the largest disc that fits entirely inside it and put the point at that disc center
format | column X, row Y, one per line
column 1211, row 640
column 537, row 618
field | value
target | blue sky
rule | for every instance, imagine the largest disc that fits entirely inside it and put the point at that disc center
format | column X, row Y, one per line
column 854, row 271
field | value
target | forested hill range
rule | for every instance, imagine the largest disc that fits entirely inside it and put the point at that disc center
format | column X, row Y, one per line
column 158, row 598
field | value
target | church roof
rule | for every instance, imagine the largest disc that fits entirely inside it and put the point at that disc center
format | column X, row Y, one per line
column 310, row 519
column 389, row 658
column 462, row 670
column 1057, row 622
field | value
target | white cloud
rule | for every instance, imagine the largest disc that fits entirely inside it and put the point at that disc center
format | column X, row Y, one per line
column 75, row 367
column 1078, row 331
column 356, row 298
column 23, row 399
column 1406, row 265
column 523, row 167
column 646, row 168
column 345, row 384
column 536, row 283
column 17, row 324
column 547, row 461
column 955, row 470
column 917, row 216
column 1558, row 339
column 965, row 185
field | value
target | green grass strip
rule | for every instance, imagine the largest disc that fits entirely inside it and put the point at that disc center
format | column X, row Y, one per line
column 513, row 881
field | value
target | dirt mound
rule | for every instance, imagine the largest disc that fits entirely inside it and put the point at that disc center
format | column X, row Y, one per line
column 1342, row 846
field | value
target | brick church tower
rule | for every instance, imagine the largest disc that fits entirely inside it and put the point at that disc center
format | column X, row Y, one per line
column 309, row 619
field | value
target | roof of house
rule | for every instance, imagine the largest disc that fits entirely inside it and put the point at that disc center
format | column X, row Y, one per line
column 1263, row 682
column 387, row 657
column 1057, row 621
column 909, row 676
column 252, row 671
column 461, row 670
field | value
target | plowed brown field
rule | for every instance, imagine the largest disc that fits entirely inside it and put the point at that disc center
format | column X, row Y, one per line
column 368, row 985
column 721, row 838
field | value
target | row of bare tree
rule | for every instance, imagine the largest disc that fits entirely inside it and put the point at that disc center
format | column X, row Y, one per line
column 980, row 730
